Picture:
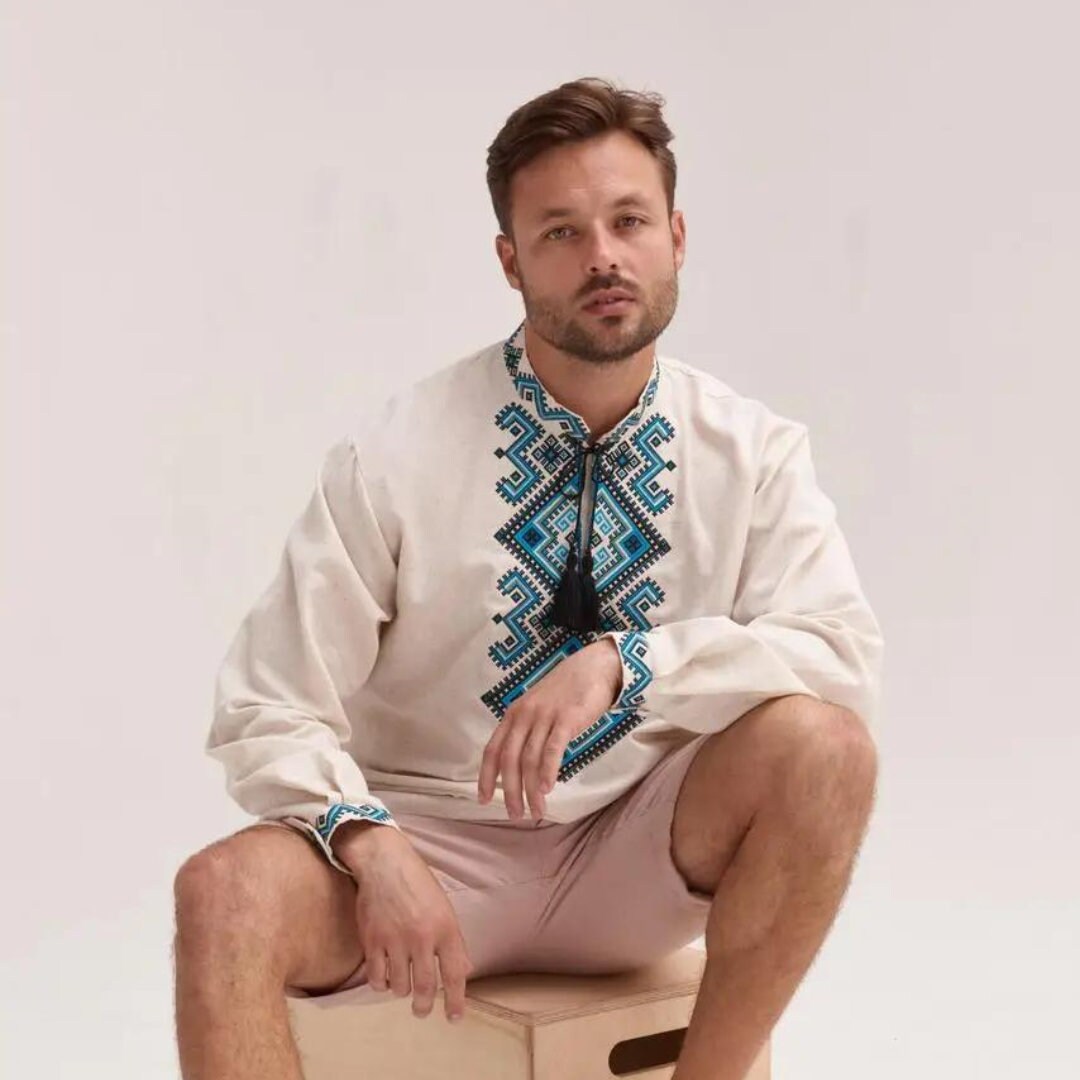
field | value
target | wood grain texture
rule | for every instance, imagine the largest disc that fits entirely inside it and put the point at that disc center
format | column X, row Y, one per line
column 524, row 1026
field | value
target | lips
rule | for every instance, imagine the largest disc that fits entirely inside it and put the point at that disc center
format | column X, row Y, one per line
column 615, row 307
column 608, row 296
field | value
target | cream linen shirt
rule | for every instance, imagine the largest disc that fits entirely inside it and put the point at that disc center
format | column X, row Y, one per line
column 412, row 603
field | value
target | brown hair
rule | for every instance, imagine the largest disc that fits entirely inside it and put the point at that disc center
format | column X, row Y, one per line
column 570, row 113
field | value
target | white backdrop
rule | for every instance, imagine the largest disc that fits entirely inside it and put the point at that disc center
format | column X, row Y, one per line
column 225, row 226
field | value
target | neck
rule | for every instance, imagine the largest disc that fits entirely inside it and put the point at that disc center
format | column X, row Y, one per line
column 600, row 393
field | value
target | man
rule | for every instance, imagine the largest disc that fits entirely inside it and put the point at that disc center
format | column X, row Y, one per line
column 566, row 663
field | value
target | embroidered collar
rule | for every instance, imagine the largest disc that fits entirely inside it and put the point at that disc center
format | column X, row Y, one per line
column 548, row 410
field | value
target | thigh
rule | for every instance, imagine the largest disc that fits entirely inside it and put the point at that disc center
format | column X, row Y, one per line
column 495, row 877
column 728, row 781
column 618, row 900
column 268, row 884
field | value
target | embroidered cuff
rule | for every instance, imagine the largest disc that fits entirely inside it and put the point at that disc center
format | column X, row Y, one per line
column 636, row 673
column 326, row 825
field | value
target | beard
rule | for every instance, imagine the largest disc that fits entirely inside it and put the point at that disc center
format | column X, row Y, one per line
column 603, row 339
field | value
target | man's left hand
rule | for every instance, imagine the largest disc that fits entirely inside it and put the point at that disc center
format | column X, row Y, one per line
column 528, row 744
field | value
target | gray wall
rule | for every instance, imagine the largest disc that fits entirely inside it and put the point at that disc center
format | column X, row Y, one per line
column 226, row 225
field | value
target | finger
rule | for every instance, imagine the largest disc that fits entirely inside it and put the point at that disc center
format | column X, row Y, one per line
column 423, row 980
column 554, row 751
column 532, row 757
column 400, row 981
column 454, row 966
column 376, row 969
column 489, row 763
column 510, row 767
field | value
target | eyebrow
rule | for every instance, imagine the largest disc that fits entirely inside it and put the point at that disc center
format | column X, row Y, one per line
column 562, row 211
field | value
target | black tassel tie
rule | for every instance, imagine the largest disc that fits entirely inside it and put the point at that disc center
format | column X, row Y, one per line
column 576, row 605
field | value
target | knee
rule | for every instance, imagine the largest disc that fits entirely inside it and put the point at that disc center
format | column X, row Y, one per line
column 223, row 890
column 829, row 755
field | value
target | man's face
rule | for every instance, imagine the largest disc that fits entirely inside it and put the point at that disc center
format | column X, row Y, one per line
column 558, row 260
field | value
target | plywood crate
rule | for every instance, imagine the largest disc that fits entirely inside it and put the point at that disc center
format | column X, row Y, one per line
column 523, row 1026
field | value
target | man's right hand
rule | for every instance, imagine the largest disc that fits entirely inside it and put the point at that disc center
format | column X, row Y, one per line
column 405, row 918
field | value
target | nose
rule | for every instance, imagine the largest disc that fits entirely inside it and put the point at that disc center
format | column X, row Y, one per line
column 600, row 252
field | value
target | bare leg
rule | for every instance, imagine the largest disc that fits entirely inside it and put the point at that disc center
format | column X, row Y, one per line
column 778, row 896
column 256, row 912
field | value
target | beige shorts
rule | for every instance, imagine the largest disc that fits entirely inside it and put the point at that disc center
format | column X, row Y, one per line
column 592, row 896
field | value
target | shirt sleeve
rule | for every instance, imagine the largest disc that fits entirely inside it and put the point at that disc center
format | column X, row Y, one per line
column 279, row 723
column 799, row 623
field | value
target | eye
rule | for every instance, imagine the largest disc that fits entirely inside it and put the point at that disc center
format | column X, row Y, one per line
column 625, row 217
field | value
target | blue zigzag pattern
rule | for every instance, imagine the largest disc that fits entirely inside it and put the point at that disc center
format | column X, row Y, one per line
column 534, row 452
column 526, row 597
column 646, row 594
column 633, row 650
column 339, row 813
column 532, row 391
column 655, row 430
column 543, row 488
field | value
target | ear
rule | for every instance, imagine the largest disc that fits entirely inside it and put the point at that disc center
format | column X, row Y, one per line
column 504, row 249
column 678, row 237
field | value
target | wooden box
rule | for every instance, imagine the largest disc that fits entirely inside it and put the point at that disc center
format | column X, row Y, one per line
column 527, row 1026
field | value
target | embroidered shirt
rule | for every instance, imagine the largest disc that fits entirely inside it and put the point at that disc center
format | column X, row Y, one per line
column 413, row 600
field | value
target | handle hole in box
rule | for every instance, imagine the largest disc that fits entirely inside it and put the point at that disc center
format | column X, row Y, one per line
column 646, row 1052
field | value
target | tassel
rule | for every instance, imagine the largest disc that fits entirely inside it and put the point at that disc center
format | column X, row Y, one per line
column 576, row 605
column 590, row 604
column 568, row 595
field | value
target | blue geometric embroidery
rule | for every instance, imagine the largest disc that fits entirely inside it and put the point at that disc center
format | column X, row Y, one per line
column 543, row 487
column 637, row 601
column 532, row 457
column 526, row 600
column 656, row 431
column 532, row 390
column 339, row 813
column 632, row 649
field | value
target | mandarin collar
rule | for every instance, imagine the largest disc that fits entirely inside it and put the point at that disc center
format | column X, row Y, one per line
column 553, row 413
